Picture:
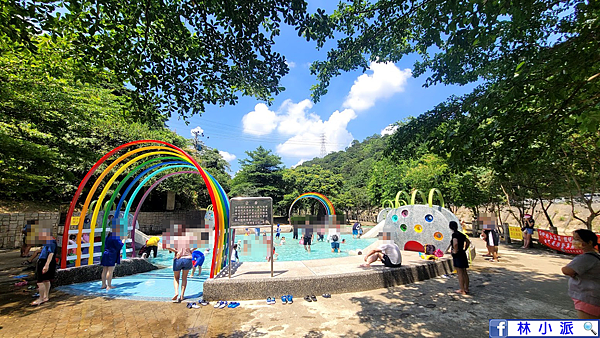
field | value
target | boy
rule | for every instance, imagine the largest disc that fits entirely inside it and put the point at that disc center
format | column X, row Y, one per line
column 197, row 260
column 335, row 243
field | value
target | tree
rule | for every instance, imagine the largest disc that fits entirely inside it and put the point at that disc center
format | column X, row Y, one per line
column 261, row 174
column 308, row 179
column 53, row 128
column 178, row 55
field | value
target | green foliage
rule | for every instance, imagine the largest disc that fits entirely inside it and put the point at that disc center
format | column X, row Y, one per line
column 308, row 179
column 261, row 174
column 178, row 55
column 53, row 128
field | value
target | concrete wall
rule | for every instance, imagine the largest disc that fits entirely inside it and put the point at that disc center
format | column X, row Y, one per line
column 12, row 224
column 150, row 223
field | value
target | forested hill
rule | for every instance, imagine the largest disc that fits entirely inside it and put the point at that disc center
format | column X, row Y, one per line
column 355, row 162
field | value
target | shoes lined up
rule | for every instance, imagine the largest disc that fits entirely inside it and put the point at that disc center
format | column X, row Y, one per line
column 285, row 299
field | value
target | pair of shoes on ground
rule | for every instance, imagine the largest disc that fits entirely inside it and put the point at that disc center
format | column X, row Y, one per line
column 326, row 295
column 311, row 298
column 204, row 302
column 223, row 303
column 287, row 299
column 271, row 300
column 192, row 306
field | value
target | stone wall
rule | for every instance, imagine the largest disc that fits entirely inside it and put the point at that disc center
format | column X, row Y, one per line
column 12, row 224
column 157, row 222
column 150, row 223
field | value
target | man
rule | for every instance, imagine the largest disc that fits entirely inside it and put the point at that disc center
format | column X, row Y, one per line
column 388, row 253
column 490, row 235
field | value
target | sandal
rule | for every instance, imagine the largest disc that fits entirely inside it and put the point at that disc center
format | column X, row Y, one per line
column 307, row 298
column 326, row 295
column 313, row 298
column 290, row 299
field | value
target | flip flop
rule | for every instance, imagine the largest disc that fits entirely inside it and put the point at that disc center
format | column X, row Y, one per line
column 204, row 303
column 195, row 306
column 233, row 305
column 283, row 300
column 189, row 305
column 269, row 300
column 313, row 298
column 290, row 299
column 326, row 295
column 307, row 298
column 217, row 304
column 223, row 305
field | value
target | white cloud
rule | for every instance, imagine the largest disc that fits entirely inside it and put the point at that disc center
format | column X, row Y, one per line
column 260, row 121
column 290, row 64
column 308, row 141
column 197, row 130
column 389, row 130
column 299, row 163
column 386, row 80
column 227, row 156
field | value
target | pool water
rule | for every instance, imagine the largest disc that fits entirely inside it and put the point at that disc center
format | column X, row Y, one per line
column 157, row 285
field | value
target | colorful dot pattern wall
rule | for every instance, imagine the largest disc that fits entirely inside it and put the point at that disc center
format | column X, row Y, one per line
column 413, row 226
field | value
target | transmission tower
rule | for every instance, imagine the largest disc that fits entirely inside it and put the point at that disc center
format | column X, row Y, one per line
column 323, row 149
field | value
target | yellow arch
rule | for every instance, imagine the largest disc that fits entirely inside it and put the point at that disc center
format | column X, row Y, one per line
column 439, row 195
column 414, row 196
column 404, row 201
column 390, row 202
column 84, row 209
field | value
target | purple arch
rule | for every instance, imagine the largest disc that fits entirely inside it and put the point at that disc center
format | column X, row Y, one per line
column 139, row 206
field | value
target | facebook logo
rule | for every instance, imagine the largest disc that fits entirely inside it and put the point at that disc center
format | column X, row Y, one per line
column 498, row 328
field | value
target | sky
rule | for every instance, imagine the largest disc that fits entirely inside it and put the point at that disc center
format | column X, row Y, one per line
column 356, row 106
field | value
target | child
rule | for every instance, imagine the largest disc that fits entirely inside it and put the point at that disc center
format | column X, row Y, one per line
column 335, row 243
column 197, row 260
column 234, row 254
column 275, row 255
column 111, row 257
column 282, row 241
column 278, row 232
column 584, row 270
column 459, row 245
column 46, row 266
column 151, row 246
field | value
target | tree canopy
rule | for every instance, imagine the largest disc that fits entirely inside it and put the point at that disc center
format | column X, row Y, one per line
column 178, row 55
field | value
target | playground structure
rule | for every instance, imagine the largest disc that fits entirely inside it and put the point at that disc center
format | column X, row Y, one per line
column 414, row 225
column 162, row 157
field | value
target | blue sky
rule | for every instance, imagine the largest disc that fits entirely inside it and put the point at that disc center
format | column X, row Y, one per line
column 356, row 106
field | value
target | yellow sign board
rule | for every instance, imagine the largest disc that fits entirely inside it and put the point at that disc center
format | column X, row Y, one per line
column 75, row 220
column 515, row 233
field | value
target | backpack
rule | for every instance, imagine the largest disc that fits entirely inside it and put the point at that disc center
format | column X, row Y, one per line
column 335, row 238
column 429, row 249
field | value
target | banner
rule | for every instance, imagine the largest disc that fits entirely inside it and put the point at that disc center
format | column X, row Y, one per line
column 558, row 242
column 515, row 233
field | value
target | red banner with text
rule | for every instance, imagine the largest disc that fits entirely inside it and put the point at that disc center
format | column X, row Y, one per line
column 558, row 242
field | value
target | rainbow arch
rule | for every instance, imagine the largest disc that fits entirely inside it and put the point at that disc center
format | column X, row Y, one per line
column 155, row 160
column 319, row 197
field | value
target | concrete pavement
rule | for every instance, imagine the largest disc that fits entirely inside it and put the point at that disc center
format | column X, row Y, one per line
column 524, row 284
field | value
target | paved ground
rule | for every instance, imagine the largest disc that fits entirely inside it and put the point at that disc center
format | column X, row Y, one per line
column 523, row 285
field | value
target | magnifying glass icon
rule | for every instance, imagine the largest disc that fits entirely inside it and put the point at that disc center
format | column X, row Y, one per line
column 588, row 327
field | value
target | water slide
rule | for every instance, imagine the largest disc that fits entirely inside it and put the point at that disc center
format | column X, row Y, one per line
column 375, row 231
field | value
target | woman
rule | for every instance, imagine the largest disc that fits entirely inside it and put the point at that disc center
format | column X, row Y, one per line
column 46, row 266
column 110, row 257
column 182, row 264
column 584, row 270
column 528, row 224
column 459, row 245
